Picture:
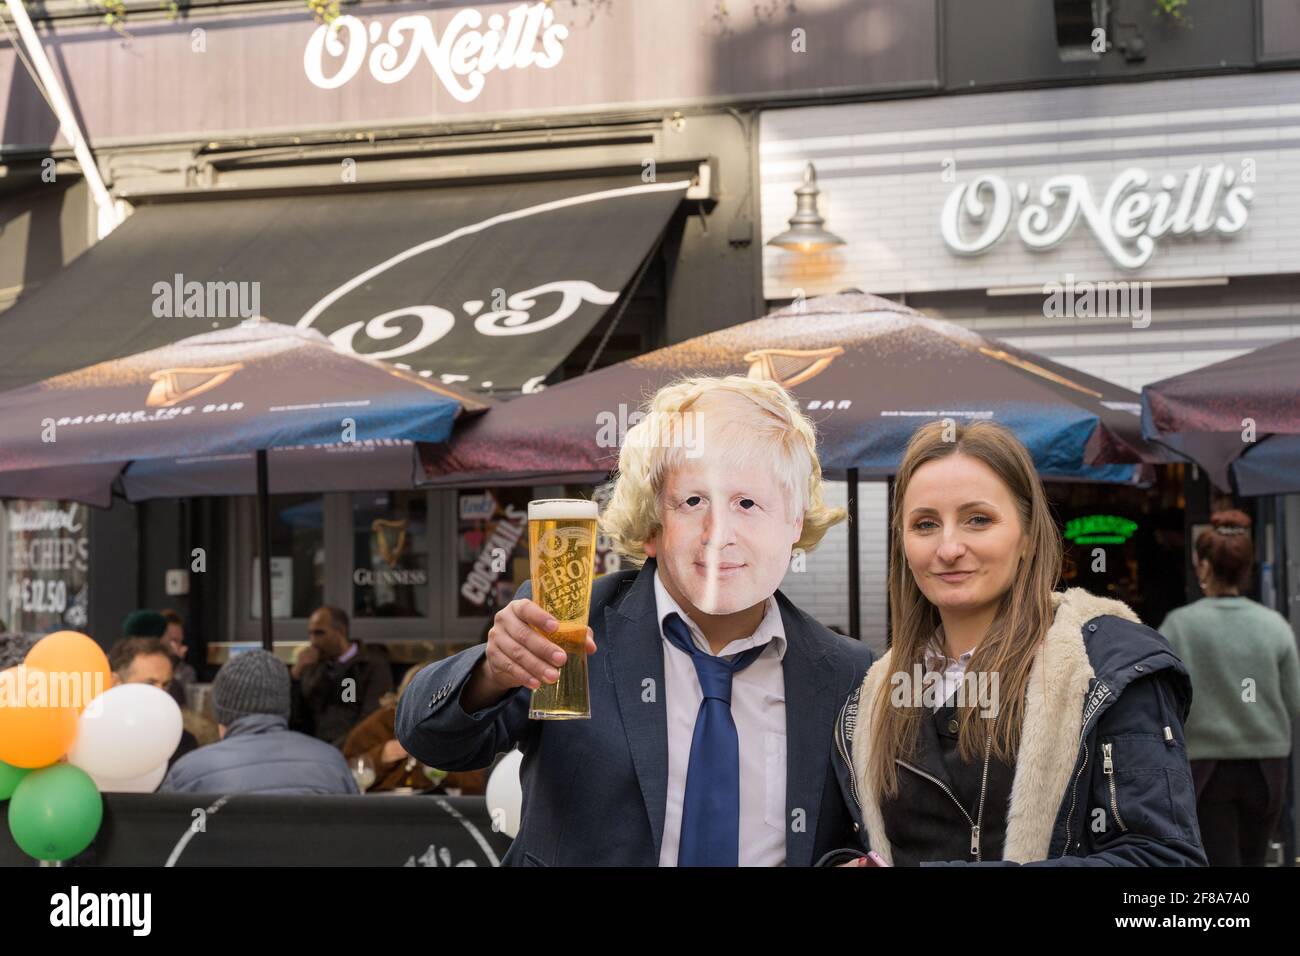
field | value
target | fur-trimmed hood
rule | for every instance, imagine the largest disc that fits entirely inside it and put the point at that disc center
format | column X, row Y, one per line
column 1073, row 677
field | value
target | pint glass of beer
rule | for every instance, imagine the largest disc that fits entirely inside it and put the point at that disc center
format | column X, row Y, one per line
column 562, row 559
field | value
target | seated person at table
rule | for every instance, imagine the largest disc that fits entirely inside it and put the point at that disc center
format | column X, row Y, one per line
column 146, row 623
column 258, row 753
column 174, row 640
column 144, row 660
column 376, row 738
column 336, row 681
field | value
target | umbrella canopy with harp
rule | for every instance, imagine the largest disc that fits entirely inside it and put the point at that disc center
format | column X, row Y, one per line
column 238, row 391
column 866, row 370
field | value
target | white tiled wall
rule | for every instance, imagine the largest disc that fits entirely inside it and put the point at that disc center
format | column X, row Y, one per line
column 822, row 588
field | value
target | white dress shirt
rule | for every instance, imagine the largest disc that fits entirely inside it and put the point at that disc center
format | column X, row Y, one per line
column 951, row 672
column 758, row 709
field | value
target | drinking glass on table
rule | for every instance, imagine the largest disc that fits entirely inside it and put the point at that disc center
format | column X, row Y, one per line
column 363, row 772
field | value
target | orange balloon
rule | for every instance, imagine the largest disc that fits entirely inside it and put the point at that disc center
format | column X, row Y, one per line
column 37, row 725
column 78, row 659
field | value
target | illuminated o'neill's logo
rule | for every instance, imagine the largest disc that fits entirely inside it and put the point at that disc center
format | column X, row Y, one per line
column 1099, row 529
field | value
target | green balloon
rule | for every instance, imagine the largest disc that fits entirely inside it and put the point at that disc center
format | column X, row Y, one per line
column 9, row 777
column 54, row 813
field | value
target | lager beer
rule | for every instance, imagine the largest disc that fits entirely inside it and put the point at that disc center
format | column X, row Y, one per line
column 562, row 559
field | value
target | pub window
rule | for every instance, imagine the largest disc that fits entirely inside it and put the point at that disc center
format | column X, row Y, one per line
column 390, row 554
column 491, row 548
column 492, row 544
column 297, row 558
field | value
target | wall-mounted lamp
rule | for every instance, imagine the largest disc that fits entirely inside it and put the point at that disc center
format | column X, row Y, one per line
column 806, row 232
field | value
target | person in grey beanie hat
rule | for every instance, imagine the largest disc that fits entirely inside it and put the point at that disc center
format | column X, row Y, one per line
column 258, row 753
column 254, row 682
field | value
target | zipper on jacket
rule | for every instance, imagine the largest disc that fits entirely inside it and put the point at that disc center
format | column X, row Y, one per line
column 984, row 785
column 1108, row 768
column 1074, row 792
column 1099, row 694
column 943, row 786
column 979, row 814
column 842, row 746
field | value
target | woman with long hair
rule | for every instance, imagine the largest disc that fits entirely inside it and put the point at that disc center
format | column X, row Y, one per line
column 1009, row 723
column 1242, row 659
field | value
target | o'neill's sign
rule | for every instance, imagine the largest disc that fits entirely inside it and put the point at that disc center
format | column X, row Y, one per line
column 1127, row 219
column 469, row 48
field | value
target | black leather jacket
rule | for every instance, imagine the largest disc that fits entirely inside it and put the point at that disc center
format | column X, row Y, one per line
column 1129, row 798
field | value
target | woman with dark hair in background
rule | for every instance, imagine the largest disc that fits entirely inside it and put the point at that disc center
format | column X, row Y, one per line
column 1246, row 692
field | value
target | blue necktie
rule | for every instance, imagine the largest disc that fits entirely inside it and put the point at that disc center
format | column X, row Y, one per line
column 710, row 833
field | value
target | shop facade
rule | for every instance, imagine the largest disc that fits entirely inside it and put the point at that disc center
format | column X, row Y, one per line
column 398, row 102
column 1132, row 231
column 265, row 121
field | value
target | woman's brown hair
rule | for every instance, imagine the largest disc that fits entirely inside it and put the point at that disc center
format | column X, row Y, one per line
column 1022, row 619
column 1227, row 545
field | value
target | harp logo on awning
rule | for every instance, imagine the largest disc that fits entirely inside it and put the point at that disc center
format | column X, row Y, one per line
column 1127, row 222
column 460, row 58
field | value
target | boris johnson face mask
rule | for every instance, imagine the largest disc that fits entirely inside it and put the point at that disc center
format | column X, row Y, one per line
column 726, row 534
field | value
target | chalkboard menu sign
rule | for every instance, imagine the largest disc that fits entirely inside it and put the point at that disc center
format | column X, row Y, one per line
column 46, row 565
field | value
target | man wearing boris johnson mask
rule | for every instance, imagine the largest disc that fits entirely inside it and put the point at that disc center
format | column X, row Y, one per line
column 712, row 698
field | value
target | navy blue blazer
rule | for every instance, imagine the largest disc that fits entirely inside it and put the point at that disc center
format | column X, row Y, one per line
column 595, row 790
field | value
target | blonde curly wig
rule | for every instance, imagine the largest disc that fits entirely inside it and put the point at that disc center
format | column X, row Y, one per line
column 748, row 423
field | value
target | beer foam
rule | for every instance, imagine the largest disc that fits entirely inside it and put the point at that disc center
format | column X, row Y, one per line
column 555, row 509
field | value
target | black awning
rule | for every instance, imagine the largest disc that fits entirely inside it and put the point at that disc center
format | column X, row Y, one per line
column 488, row 287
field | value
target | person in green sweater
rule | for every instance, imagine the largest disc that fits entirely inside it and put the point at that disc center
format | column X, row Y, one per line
column 1246, row 693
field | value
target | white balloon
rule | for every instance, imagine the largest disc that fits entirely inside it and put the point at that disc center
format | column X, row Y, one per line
column 505, row 794
column 126, row 732
column 145, row 783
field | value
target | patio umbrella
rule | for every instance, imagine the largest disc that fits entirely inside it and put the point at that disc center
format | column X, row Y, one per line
column 866, row 370
column 240, row 390
column 1238, row 419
